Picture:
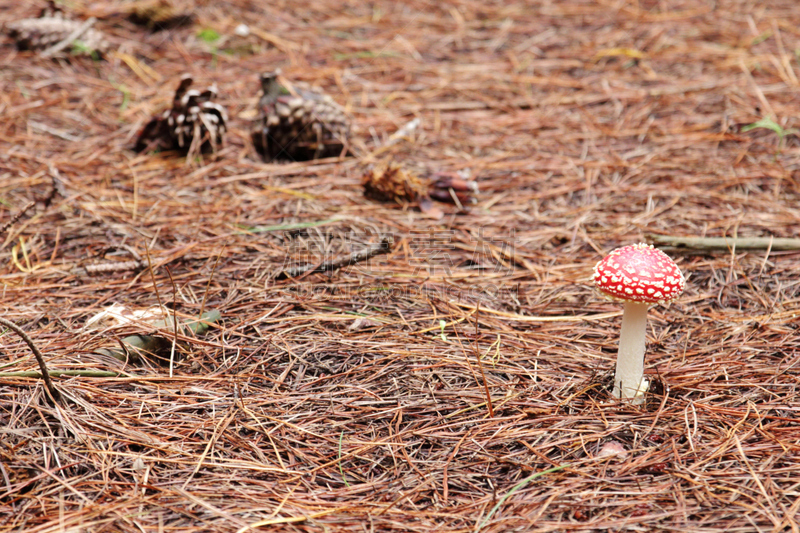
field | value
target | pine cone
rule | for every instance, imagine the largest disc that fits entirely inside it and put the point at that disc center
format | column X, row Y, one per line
column 194, row 124
column 300, row 125
column 393, row 183
column 52, row 10
column 446, row 185
column 51, row 28
column 159, row 15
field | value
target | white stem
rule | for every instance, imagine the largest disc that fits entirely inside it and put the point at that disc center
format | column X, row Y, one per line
column 630, row 360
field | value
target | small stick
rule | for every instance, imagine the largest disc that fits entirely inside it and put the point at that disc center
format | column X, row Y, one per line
column 406, row 130
column 16, row 217
column 60, row 373
column 52, row 131
column 174, row 321
column 208, row 285
column 383, row 247
column 480, row 363
column 80, row 30
column 54, row 394
column 117, row 266
column 153, row 278
column 113, row 266
column 726, row 243
column 58, row 183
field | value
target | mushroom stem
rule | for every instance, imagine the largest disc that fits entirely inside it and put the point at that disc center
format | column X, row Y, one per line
column 630, row 359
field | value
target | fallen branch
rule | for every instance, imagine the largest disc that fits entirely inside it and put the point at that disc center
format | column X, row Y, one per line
column 80, row 30
column 383, row 247
column 45, row 375
column 726, row 243
column 134, row 347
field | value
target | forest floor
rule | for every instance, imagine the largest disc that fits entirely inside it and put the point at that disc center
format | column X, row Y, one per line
column 356, row 399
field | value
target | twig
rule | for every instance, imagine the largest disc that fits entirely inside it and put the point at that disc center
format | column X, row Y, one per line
column 153, row 278
column 61, row 373
column 104, row 268
column 406, row 130
column 341, row 470
column 16, row 217
column 480, row 363
column 174, row 321
column 383, row 247
column 80, row 30
column 52, row 131
column 112, row 266
column 211, row 277
column 54, row 394
column 726, row 243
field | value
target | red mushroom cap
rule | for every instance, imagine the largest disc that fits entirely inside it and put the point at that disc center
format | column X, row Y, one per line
column 639, row 273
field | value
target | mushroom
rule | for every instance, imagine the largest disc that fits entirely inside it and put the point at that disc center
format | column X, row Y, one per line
column 639, row 275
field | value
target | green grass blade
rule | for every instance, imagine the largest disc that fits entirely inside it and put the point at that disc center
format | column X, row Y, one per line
column 515, row 488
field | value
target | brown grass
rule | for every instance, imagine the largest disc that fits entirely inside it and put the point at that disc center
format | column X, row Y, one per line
column 336, row 402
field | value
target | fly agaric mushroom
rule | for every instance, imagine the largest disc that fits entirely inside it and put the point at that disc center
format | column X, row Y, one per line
column 639, row 275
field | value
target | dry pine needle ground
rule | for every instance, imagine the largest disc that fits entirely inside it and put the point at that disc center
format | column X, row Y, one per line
column 336, row 401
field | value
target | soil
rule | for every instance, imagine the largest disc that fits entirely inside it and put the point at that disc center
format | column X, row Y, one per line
column 462, row 380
